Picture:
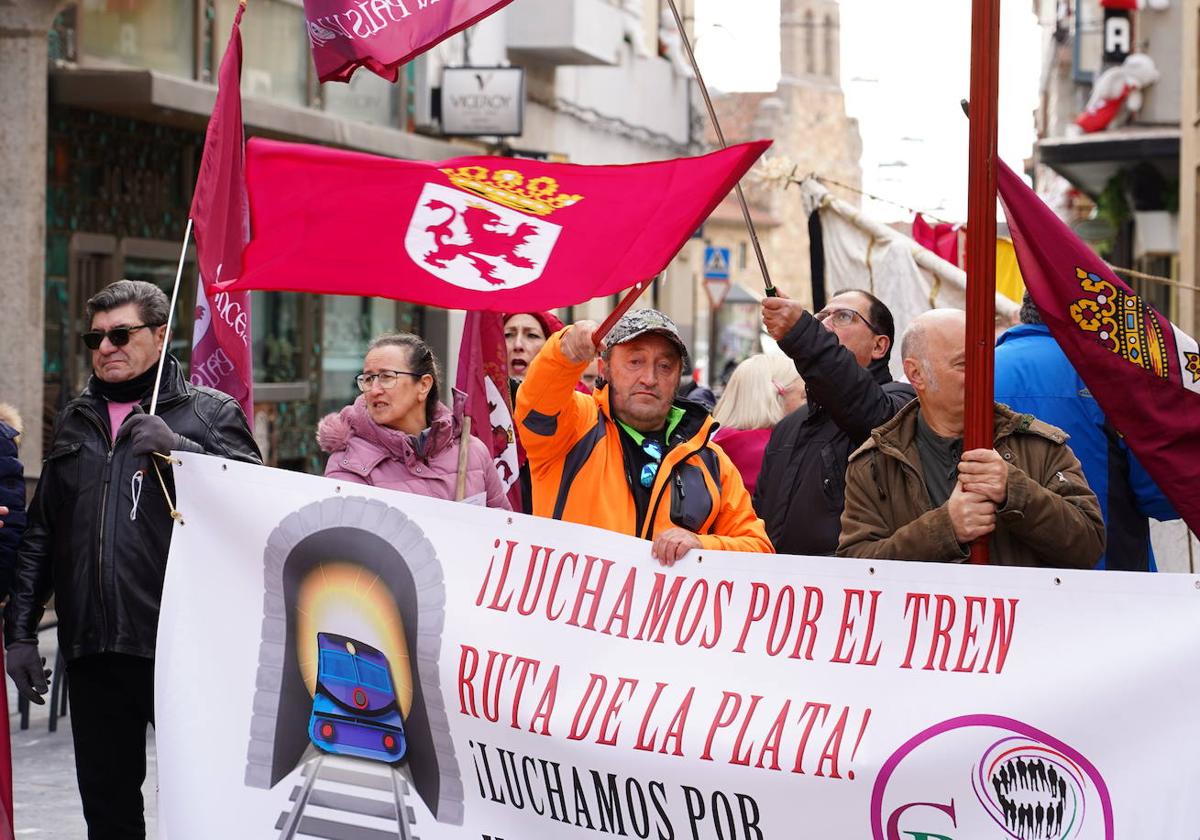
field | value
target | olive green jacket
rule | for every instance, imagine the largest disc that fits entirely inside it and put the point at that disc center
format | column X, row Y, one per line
column 1051, row 517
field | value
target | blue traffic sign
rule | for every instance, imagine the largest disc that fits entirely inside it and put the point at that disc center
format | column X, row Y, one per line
column 716, row 263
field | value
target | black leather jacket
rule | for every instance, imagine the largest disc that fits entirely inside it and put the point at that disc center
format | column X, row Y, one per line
column 801, row 487
column 98, row 535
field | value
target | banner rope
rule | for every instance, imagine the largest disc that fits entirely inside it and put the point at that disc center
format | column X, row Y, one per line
column 1128, row 272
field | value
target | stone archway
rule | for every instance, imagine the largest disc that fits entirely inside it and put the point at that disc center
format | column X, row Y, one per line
column 389, row 544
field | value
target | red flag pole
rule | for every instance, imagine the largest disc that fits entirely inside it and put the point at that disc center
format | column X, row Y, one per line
column 981, row 235
column 611, row 321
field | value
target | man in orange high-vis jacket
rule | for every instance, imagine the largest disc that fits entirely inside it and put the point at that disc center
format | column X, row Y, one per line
column 631, row 457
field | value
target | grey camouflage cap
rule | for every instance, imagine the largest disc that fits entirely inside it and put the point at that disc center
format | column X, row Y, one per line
column 648, row 322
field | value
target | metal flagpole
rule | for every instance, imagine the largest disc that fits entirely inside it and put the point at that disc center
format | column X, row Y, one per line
column 712, row 115
column 162, row 358
column 981, row 236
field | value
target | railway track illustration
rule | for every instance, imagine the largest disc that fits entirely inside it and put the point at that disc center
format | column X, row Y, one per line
column 348, row 799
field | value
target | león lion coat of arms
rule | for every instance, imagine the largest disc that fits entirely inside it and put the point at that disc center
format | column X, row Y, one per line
column 491, row 233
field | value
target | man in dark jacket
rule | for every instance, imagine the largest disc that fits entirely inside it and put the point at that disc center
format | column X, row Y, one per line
column 842, row 354
column 1033, row 375
column 12, row 495
column 97, row 540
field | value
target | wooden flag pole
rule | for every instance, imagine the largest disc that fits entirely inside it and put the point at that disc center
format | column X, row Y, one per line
column 712, row 115
column 981, row 236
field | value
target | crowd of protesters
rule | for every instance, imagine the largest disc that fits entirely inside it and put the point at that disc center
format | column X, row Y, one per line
column 816, row 451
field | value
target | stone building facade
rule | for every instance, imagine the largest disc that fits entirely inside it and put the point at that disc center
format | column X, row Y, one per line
column 806, row 117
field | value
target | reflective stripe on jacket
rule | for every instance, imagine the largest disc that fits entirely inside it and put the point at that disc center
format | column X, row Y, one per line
column 579, row 473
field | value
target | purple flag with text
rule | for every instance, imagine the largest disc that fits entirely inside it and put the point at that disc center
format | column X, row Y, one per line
column 382, row 35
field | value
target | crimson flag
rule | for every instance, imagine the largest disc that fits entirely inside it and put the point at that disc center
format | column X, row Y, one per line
column 221, row 349
column 941, row 238
column 484, row 233
column 1142, row 370
column 483, row 377
column 384, row 34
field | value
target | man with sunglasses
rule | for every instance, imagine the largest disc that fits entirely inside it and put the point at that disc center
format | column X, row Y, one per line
column 99, row 528
column 842, row 353
column 630, row 457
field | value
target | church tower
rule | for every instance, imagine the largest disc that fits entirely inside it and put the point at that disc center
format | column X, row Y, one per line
column 809, row 35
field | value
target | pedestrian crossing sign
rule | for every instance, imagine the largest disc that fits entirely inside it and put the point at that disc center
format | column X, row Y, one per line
column 716, row 263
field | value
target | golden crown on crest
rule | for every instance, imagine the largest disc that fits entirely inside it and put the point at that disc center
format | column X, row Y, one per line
column 1121, row 321
column 539, row 196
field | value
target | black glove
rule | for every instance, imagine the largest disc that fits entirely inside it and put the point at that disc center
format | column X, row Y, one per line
column 148, row 433
column 28, row 671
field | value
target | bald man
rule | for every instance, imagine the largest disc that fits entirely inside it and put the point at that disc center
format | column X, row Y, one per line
column 913, row 494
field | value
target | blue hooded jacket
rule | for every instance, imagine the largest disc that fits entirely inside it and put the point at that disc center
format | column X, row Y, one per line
column 12, row 496
column 1034, row 376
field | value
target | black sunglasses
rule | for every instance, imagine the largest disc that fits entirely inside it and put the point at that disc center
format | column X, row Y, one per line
column 117, row 336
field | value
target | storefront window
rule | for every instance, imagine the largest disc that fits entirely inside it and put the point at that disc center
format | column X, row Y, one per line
column 367, row 98
column 350, row 324
column 278, row 340
column 159, row 34
column 274, row 48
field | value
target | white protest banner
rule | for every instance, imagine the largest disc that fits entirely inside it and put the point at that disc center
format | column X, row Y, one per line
column 345, row 662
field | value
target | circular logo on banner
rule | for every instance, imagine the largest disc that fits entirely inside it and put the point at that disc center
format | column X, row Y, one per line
column 984, row 776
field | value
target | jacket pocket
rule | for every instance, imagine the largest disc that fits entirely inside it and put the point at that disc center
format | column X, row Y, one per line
column 833, row 478
column 691, row 501
column 62, row 467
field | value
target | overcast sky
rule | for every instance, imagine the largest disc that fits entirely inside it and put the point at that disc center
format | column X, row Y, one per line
column 905, row 66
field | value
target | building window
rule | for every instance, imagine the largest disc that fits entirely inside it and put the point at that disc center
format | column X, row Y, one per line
column 810, row 43
column 274, row 47
column 158, row 34
column 367, row 98
column 277, row 334
column 742, row 256
column 829, row 30
column 350, row 324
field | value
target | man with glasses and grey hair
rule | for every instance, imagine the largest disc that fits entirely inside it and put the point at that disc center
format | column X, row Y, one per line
column 842, row 353
column 631, row 457
column 98, row 531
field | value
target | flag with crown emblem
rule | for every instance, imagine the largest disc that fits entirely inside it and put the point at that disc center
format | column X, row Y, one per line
column 1142, row 370
column 481, row 233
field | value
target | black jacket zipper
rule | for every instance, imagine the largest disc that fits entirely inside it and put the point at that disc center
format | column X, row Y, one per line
column 104, row 491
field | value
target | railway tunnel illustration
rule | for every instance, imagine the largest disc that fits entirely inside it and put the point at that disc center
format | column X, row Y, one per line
column 362, row 568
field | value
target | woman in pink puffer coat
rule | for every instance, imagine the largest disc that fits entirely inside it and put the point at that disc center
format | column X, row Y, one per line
column 398, row 436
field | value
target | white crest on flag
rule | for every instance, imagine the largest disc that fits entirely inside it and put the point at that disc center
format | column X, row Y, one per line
column 506, row 460
column 477, row 244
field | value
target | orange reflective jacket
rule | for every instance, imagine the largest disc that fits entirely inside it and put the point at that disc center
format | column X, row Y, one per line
column 578, row 466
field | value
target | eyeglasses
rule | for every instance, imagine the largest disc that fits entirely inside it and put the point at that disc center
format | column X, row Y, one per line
column 649, row 472
column 117, row 336
column 387, row 379
column 844, row 318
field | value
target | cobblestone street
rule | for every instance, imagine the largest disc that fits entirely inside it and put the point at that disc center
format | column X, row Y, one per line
column 45, row 799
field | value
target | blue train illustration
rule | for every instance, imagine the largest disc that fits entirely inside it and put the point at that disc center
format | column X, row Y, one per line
column 355, row 712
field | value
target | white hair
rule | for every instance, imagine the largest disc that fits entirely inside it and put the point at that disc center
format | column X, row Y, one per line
column 753, row 399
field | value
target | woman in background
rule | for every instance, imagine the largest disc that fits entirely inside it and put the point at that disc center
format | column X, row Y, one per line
column 398, row 436
column 524, row 335
column 761, row 392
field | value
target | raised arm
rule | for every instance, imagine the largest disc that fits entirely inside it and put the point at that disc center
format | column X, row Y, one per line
column 551, row 414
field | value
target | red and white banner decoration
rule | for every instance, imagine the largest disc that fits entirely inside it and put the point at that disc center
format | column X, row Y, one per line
column 417, row 668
